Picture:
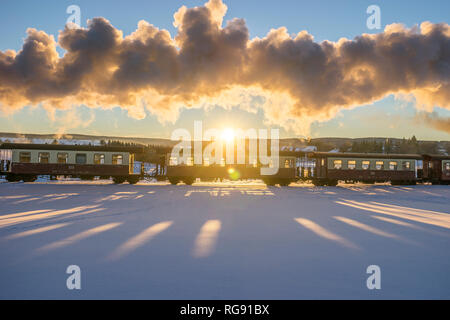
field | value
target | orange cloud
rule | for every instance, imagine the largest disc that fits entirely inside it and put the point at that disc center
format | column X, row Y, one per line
column 301, row 80
column 433, row 120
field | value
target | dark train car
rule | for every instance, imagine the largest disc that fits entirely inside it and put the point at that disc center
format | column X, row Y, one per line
column 436, row 169
column 188, row 172
column 365, row 167
column 26, row 161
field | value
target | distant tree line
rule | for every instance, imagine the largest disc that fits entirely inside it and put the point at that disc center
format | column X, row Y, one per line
column 322, row 145
column 404, row 146
column 151, row 153
column 367, row 146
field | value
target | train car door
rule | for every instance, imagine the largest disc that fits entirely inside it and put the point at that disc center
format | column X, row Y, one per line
column 5, row 160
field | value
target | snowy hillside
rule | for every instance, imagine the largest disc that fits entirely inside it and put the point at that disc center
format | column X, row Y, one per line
column 50, row 141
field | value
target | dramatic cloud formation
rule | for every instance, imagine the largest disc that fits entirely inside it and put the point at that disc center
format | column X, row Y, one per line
column 208, row 63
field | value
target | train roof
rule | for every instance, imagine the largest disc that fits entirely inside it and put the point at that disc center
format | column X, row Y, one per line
column 366, row 155
column 66, row 147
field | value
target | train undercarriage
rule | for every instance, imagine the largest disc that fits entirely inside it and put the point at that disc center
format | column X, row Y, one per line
column 14, row 177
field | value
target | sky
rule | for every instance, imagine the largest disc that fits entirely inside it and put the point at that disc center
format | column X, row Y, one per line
column 330, row 20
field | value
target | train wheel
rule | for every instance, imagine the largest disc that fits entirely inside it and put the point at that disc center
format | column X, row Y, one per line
column 133, row 179
column 86, row 177
column 118, row 180
column 13, row 177
column 29, row 178
column 174, row 180
column 269, row 182
column 318, row 182
column 332, row 183
column 188, row 180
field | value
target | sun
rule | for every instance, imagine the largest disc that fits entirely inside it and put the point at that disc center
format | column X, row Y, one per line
column 228, row 135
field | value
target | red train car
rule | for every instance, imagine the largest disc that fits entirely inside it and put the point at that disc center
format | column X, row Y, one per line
column 436, row 169
column 365, row 167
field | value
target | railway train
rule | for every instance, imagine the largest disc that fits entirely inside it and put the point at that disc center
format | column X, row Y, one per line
column 327, row 169
column 188, row 172
column 24, row 162
column 398, row 169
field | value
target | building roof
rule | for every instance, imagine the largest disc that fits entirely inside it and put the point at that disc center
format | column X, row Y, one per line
column 64, row 147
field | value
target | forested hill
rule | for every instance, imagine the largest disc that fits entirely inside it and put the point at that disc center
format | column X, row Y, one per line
column 368, row 144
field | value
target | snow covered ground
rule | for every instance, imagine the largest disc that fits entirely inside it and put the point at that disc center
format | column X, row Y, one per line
column 221, row 241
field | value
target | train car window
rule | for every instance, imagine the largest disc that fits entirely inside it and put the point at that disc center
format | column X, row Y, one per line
column 419, row 164
column 393, row 165
column 406, row 165
column 379, row 165
column 287, row 164
column 305, row 172
column 365, row 165
column 351, row 164
column 25, row 157
column 80, row 158
column 337, row 164
column 173, row 161
column 190, row 161
column 62, row 157
column 44, row 157
column 99, row 158
column 117, row 159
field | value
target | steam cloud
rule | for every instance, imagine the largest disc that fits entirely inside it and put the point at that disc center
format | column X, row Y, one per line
column 206, row 62
column 433, row 120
